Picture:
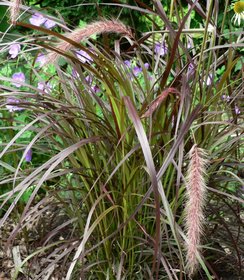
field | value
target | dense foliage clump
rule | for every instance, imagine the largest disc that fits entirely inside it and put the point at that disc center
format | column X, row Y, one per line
column 121, row 153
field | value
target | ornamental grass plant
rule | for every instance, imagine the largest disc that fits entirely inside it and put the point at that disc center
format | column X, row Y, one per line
column 105, row 139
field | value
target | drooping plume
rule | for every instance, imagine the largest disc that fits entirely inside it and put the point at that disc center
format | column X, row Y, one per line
column 14, row 10
column 195, row 199
column 80, row 34
column 158, row 101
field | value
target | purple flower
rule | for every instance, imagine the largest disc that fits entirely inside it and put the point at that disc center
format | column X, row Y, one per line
column 49, row 24
column 75, row 74
column 161, row 49
column 37, row 19
column 88, row 78
column 28, row 156
column 19, row 78
column 237, row 110
column 11, row 107
column 137, row 70
column 44, row 87
column 226, row 98
column 146, row 65
column 189, row 46
column 95, row 88
column 14, row 50
column 83, row 56
column 191, row 70
column 191, row 67
column 127, row 63
column 209, row 80
column 41, row 59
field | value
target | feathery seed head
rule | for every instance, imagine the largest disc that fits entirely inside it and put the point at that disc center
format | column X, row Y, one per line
column 81, row 34
column 195, row 199
column 14, row 10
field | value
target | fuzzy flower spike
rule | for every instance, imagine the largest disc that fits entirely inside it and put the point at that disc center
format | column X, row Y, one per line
column 14, row 10
column 195, row 201
column 238, row 8
column 81, row 34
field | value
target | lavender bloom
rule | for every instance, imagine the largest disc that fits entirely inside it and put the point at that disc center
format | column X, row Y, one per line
column 237, row 110
column 127, row 63
column 146, row 65
column 49, row 24
column 12, row 108
column 161, row 49
column 75, row 74
column 41, row 59
column 18, row 77
column 14, row 50
column 226, row 98
column 83, row 56
column 191, row 67
column 209, row 80
column 28, row 156
column 191, row 70
column 37, row 19
column 137, row 70
column 88, row 78
column 45, row 87
column 189, row 46
column 95, row 89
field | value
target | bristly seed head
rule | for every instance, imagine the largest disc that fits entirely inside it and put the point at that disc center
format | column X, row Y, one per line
column 14, row 10
column 81, row 34
column 196, row 196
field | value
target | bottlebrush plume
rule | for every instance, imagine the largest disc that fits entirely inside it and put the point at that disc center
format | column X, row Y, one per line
column 195, row 200
column 14, row 10
column 80, row 34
